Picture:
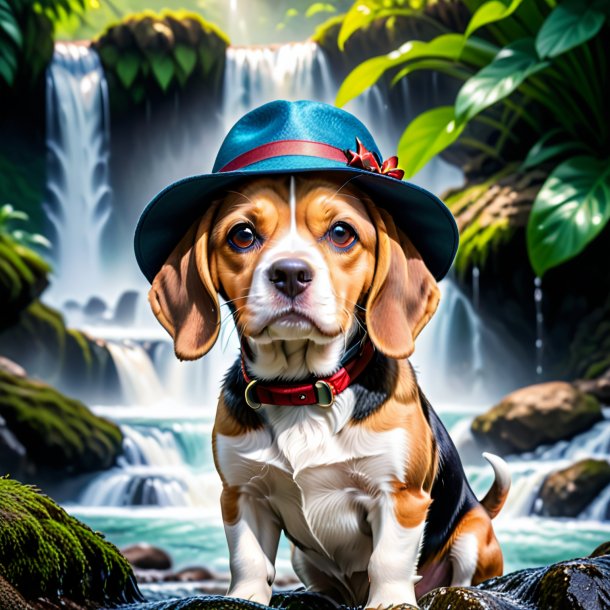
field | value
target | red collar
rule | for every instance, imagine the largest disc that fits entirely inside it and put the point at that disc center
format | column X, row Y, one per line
column 321, row 392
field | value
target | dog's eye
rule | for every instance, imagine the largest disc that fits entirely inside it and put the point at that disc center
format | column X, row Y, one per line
column 342, row 236
column 242, row 237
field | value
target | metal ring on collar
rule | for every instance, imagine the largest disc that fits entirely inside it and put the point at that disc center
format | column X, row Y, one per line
column 252, row 403
column 324, row 394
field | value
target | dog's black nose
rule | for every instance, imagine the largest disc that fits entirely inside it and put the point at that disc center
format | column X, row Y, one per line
column 290, row 276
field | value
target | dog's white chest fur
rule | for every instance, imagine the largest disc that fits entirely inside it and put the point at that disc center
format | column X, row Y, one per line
column 319, row 475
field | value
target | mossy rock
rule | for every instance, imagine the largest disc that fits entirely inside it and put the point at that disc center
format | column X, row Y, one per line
column 23, row 277
column 68, row 359
column 57, row 432
column 150, row 56
column 536, row 415
column 51, row 560
column 567, row 492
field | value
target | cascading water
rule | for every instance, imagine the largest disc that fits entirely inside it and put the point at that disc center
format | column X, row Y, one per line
column 78, row 202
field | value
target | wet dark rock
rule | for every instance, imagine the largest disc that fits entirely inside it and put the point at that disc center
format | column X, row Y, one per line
column 567, row 492
column 56, row 432
column 579, row 584
column 147, row 557
column 125, row 311
column 49, row 559
column 536, row 415
column 95, row 307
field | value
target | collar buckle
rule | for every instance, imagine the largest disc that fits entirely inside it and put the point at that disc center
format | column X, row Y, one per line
column 324, row 394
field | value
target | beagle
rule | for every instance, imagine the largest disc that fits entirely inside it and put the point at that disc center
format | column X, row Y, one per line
column 321, row 430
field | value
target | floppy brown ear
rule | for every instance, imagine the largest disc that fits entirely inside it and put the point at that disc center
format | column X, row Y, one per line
column 404, row 294
column 183, row 296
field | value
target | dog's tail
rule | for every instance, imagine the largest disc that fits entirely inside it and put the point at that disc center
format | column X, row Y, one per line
column 496, row 496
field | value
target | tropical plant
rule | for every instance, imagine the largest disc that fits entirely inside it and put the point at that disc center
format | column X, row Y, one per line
column 8, row 217
column 536, row 66
column 150, row 52
column 26, row 36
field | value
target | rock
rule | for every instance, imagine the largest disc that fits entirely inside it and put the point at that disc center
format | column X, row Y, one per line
column 536, row 415
column 8, row 366
column 46, row 553
column 95, row 307
column 196, row 574
column 57, row 432
column 147, row 557
column 579, row 584
column 599, row 387
column 567, row 492
column 125, row 311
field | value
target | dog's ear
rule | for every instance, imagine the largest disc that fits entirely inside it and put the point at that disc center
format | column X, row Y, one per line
column 403, row 295
column 183, row 296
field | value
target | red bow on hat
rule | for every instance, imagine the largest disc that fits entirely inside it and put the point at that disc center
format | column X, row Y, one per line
column 365, row 159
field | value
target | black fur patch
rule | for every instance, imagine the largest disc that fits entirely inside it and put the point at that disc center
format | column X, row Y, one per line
column 452, row 496
column 373, row 387
column 233, row 388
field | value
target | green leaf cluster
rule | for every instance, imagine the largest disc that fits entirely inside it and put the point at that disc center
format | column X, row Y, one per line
column 46, row 553
column 161, row 52
column 541, row 66
column 26, row 36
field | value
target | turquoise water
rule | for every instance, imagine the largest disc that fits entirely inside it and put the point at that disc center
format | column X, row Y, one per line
column 177, row 448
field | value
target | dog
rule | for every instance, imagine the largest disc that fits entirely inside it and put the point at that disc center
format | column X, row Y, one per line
column 321, row 429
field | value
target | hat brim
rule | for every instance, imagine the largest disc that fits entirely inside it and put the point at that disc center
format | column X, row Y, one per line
column 419, row 213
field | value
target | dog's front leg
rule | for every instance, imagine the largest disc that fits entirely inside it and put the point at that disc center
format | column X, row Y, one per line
column 252, row 535
column 397, row 523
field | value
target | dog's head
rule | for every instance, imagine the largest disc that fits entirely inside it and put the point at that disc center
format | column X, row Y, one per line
column 304, row 259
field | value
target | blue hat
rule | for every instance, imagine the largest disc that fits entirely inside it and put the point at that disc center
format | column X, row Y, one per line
column 294, row 138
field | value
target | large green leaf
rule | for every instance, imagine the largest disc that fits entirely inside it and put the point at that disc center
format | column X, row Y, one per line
column 163, row 69
column 364, row 12
column 490, row 12
column 427, row 135
column 571, row 209
column 127, row 68
column 552, row 144
column 9, row 25
column 509, row 68
column 363, row 76
column 186, row 58
column 570, row 24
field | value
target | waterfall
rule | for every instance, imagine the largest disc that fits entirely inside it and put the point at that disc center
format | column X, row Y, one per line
column 78, row 200
column 164, row 463
column 257, row 75
column 458, row 358
column 139, row 380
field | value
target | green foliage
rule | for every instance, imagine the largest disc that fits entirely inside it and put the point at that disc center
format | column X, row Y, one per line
column 541, row 66
column 46, row 553
column 571, row 209
column 160, row 52
column 428, row 134
column 23, row 273
column 364, row 12
column 26, row 36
